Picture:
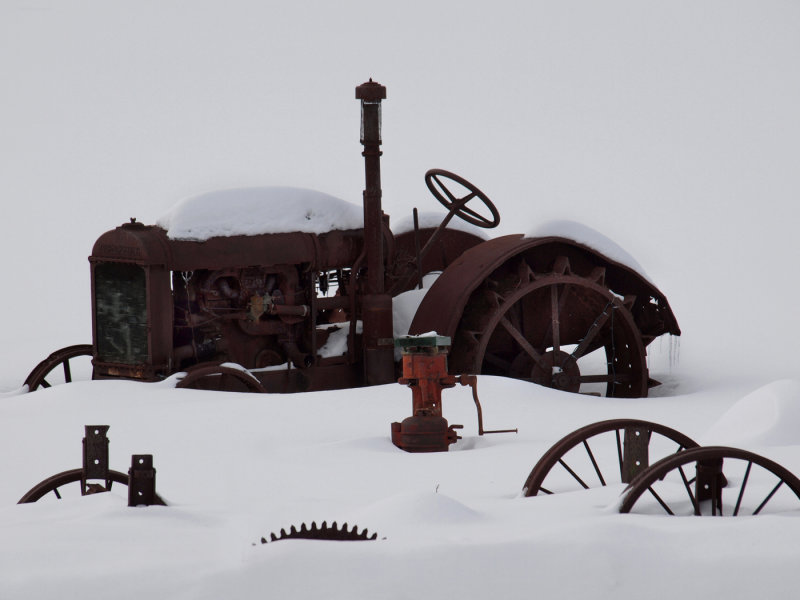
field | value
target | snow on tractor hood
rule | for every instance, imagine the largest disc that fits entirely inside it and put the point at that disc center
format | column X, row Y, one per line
column 253, row 211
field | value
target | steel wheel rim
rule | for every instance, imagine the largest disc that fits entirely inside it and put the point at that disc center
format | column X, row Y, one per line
column 555, row 455
column 625, row 352
column 643, row 483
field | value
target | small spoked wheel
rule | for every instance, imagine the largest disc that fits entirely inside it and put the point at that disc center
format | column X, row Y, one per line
column 619, row 450
column 220, row 377
column 55, row 484
column 455, row 198
column 59, row 367
column 692, row 483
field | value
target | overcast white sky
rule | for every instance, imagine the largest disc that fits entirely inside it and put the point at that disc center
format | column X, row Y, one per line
column 671, row 128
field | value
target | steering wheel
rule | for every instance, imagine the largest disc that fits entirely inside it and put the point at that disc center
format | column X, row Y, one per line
column 457, row 206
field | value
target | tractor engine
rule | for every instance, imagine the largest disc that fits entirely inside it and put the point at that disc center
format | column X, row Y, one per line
column 252, row 316
column 162, row 305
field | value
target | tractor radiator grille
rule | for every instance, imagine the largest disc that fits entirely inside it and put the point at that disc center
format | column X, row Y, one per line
column 121, row 313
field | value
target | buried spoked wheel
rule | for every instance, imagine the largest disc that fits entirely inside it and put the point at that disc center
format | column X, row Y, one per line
column 224, row 377
column 56, row 368
column 56, row 482
column 619, row 450
column 692, row 483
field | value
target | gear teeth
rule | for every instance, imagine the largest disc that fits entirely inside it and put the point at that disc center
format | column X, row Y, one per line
column 324, row 532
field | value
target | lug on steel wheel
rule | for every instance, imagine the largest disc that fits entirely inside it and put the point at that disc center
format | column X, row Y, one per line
column 692, row 483
column 619, row 450
column 48, row 373
column 557, row 329
column 225, row 377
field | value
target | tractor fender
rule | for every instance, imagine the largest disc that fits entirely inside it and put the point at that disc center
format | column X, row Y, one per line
column 460, row 279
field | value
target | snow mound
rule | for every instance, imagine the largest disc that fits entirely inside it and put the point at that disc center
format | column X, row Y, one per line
column 769, row 416
column 589, row 237
column 253, row 211
column 420, row 509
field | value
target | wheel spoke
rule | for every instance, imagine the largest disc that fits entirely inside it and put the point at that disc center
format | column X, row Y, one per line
column 688, row 487
column 461, row 201
column 524, row 344
column 44, row 383
column 67, row 372
column 469, row 211
column 594, row 463
column 495, row 360
column 554, row 312
column 660, row 501
column 55, row 491
column 741, row 491
column 443, row 188
column 768, row 498
column 573, row 473
column 619, row 454
column 594, row 329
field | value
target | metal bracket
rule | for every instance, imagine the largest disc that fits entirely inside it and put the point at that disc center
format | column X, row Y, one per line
column 636, row 452
column 95, row 455
column 142, row 481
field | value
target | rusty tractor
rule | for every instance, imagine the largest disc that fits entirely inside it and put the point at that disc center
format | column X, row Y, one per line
column 252, row 312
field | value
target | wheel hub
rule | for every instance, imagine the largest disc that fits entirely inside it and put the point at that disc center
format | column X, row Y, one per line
column 556, row 369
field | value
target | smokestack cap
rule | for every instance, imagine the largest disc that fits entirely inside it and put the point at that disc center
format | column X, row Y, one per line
column 371, row 91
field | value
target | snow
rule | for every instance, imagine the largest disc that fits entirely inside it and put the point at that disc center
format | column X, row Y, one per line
column 670, row 127
column 767, row 416
column 237, row 467
column 587, row 236
column 252, row 211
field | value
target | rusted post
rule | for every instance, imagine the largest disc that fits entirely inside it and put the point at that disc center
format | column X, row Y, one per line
column 377, row 305
column 635, row 453
column 95, row 452
column 709, row 483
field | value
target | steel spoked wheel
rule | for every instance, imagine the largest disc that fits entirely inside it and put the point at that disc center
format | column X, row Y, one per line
column 692, row 483
column 58, row 481
column 221, row 378
column 557, row 329
column 619, row 450
column 57, row 368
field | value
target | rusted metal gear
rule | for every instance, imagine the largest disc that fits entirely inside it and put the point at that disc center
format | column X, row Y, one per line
column 220, row 377
column 668, row 485
column 621, row 448
column 542, row 327
column 323, row 532
column 60, row 358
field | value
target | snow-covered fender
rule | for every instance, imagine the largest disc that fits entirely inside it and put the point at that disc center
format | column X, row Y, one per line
column 444, row 303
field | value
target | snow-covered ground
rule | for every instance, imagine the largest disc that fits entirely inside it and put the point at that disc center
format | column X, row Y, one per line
column 671, row 128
